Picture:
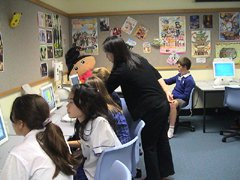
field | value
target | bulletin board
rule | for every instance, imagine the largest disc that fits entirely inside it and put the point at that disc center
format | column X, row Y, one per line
column 151, row 23
column 21, row 46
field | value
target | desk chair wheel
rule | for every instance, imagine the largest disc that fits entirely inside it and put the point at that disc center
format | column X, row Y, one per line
column 224, row 139
column 192, row 129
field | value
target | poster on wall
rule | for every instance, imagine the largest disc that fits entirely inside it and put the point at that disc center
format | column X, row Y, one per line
column 194, row 22
column 207, row 21
column 104, row 24
column 41, row 19
column 84, row 35
column 57, row 36
column 228, row 50
column 172, row 32
column 129, row 25
column 1, row 54
column 229, row 26
column 141, row 32
column 201, row 43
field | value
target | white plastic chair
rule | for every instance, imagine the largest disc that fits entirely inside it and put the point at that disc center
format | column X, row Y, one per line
column 118, row 171
column 124, row 153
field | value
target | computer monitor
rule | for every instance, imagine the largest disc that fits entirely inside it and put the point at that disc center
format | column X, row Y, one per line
column 74, row 79
column 47, row 93
column 224, row 69
column 3, row 131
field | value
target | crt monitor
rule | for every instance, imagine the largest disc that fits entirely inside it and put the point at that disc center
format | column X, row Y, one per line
column 3, row 131
column 47, row 93
column 224, row 69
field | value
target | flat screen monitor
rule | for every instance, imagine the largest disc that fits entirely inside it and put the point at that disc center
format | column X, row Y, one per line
column 47, row 93
column 224, row 69
column 3, row 131
column 74, row 79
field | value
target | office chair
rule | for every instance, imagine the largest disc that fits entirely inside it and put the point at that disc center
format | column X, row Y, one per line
column 118, row 171
column 186, row 124
column 123, row 153
column 232, row 101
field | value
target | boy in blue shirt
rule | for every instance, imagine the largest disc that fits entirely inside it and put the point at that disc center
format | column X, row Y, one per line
column 181, row 92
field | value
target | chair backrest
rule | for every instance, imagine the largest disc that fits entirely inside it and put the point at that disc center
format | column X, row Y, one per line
column 126, row 112
column 135, row 128
column 232, row 98
column 123, row 153
column 118, row 171
column 190, row 102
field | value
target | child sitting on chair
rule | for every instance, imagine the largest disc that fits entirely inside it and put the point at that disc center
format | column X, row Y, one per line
column 181, row 92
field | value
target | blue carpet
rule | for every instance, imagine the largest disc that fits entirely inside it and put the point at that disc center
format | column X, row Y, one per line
column 203, row 156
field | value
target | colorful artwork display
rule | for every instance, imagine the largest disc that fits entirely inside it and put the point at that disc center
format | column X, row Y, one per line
column 129, row 25
column 84, row 35
column 57, row 36
column 207, row 21
column 50, row 36
column 201, row 43
column 172, row 31
column 229, row 26
column 147, row 47
column 141, row 32
column 228, row 50
column 104, row 24
column 194, row 22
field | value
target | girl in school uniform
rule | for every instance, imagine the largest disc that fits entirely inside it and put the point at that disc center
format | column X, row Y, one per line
column 96, row 132
column 44, row 153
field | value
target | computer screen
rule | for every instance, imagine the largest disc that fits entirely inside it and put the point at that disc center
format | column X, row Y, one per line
column 74, row 79
column 3, row 131
column 224, row 69
column 47, row 93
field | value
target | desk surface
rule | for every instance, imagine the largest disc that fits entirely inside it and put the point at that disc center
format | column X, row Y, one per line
column 208, row 85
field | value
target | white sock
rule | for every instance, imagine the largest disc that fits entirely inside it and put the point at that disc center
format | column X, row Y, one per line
column 170, row 132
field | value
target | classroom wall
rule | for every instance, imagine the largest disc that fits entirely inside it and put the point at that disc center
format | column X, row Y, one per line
column 22, row 47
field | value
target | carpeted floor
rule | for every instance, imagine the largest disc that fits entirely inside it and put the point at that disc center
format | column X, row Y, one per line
column 203, row 156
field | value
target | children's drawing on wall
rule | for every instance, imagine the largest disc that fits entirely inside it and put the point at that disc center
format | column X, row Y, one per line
column 172, row 31
column 201, row 60
column 194, row 22
column 43, row 52
column 147, row 47
column 104, row 24
column 44, row 69
column 41, row 19
column 228, row 50
column 42, row 36
column 48, row 20
column 131, row 43
column 173, row 58
column 84, row 35
column 116, row 31
column 49, row 36
column 1, row 54
column 49, row 52
column 229, row 26
column 207, row 21
column 129, row 25
column 57, row 36
column 141, row 32
column 201, row 43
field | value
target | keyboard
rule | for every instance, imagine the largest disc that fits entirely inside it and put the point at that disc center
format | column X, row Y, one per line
column 66, row 118
column 219, row 86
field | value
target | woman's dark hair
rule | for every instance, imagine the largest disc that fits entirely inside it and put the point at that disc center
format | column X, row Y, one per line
column 91, row 103
column 120, row 51
column 33, row 110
